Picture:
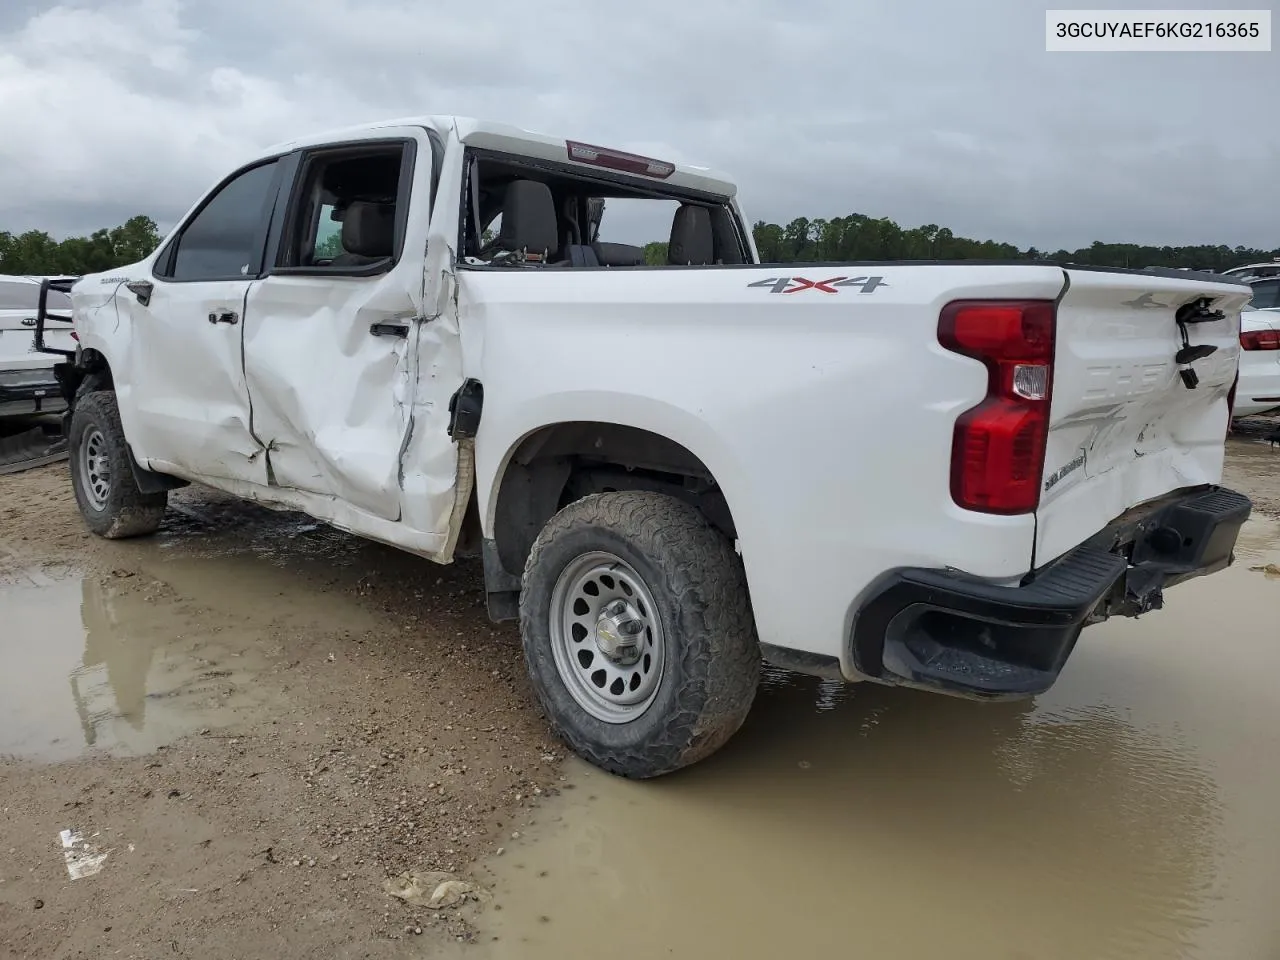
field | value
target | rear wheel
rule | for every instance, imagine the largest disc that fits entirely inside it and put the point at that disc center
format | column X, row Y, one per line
column 638, row 632
column 102, row 475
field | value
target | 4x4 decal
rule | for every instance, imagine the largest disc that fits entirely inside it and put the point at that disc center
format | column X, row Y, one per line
column 833, row 285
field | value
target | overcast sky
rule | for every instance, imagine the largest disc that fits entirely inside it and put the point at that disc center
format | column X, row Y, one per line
column 944, row 112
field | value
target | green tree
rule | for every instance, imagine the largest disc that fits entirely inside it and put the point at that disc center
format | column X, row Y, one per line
column 330, row 247
column 36, row 252
column 859, row 237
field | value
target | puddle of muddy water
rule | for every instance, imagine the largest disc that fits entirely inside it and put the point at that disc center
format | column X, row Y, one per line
column 125, row 664
column 119, row 666
column 1128, row 813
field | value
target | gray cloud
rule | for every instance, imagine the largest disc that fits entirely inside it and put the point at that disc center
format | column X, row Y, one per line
column 927, row 113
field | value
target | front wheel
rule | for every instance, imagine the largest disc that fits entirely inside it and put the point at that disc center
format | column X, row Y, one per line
column 102, row 475
column 638, row 632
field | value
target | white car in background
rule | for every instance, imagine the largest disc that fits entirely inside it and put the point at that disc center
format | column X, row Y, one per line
column 1259, row 388
column 27, row 384
column 1255, row 271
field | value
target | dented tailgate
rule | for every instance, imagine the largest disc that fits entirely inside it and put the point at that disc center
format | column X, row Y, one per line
column 1124, row 425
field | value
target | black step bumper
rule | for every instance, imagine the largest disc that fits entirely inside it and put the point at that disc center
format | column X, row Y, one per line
column 31, row 396
column 944, row 631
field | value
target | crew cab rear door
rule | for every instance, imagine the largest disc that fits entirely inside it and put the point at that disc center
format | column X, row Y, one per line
column 333, row 334
column 1125, row 426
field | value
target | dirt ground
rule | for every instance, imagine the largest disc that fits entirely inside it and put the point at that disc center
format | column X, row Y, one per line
column 332, row 713
column 383, row 727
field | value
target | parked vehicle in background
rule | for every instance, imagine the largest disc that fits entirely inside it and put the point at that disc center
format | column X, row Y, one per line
column 1255, row 271
column 928, row 475
column 27, row 384
column 1258, row 391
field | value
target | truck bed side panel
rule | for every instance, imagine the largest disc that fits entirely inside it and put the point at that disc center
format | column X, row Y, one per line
column 827, row 418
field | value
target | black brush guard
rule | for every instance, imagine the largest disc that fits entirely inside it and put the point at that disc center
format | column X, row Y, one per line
column 43, row 316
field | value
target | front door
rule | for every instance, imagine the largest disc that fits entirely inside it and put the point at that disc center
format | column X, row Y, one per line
column 183, row 396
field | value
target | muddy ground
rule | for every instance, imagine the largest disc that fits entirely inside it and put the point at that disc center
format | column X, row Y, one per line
column 290, row 716
column 259, row 720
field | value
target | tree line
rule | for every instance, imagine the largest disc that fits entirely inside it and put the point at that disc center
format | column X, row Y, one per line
column 37, row 253
column 855, row 237
column 859, row 237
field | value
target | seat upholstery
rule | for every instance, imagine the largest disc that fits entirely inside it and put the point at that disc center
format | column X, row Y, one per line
column 618, row 254
column 368, row 233
column 692, row 239
column 529, row 219
column 580, row 255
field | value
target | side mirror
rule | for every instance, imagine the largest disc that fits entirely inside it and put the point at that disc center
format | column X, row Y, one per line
column 141, row 289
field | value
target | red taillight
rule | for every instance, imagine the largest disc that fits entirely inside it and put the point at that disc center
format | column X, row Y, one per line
column 997, row 453
column 1260, row 340
column 617, row 160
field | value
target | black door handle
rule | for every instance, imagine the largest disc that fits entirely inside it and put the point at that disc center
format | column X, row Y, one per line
column 226, row 316
column 388, row 330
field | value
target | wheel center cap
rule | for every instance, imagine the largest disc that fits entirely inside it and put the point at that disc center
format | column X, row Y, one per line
column 620, row 632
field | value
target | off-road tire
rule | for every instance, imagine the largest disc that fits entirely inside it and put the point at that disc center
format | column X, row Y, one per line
column 126, row 511
column 712, row 657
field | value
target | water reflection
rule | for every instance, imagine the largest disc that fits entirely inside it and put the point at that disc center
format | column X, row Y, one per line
column 125, row 661
column 112, row 664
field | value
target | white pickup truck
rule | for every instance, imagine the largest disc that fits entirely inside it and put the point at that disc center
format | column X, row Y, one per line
column 923, row 474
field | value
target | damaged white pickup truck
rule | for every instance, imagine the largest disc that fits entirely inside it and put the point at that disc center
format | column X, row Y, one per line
column 925, row 474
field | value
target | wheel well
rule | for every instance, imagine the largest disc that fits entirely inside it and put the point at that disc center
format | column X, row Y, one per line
column 93, row 373
column 565, row 462
column 90, row 372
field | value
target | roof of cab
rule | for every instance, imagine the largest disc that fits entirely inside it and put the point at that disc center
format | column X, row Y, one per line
column 506, row 138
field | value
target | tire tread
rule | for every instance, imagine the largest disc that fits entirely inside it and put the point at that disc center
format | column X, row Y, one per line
column 130, row 512
column 719, row 652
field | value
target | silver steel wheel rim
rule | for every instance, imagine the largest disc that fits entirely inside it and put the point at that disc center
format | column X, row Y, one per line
column 95, row 468
column 606, row 637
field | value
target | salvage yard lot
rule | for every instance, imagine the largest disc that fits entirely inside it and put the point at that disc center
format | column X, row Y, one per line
column 260, row 720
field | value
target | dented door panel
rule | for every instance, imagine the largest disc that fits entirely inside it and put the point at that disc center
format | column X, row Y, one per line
column 349, row 379
column 331, row 400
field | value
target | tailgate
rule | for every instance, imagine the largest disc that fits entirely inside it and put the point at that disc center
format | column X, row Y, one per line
column 1124, row 427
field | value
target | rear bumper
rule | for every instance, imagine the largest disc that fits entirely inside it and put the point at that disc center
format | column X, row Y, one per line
column 943, row 631
column 24, row 391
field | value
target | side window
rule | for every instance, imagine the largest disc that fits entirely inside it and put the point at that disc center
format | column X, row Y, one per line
column 347, row 213
column 328, row 239
column 492, row 231
column 224, row 239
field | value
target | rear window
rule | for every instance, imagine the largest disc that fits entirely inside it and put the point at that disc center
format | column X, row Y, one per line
column 24, row 295
column 1266, row 294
